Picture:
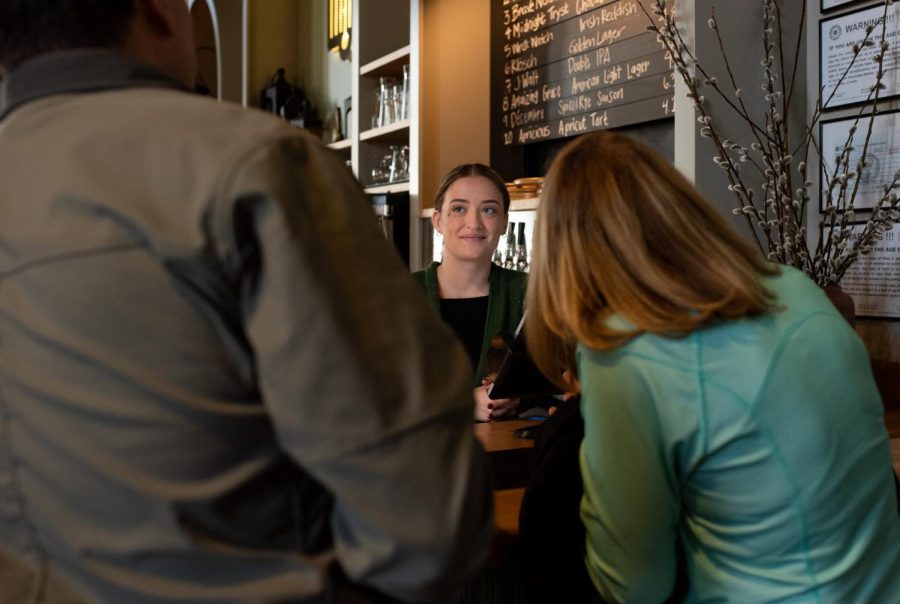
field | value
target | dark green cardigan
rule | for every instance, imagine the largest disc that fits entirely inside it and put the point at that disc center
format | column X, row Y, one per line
column 506, row 303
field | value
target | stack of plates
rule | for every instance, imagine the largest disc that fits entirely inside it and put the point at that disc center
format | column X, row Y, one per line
column 525, row 188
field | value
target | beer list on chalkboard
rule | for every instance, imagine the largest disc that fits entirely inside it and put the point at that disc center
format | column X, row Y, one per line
column 566, row 67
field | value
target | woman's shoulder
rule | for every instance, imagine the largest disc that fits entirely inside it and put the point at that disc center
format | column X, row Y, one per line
column 423, row 276
column 509, row 278
column 511, row 286
column 797, row 298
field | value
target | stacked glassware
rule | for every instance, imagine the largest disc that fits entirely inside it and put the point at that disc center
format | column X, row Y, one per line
column 393, row 167
column 391, row 100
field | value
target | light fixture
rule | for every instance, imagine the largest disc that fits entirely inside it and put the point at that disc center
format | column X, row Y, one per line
column 340, row 17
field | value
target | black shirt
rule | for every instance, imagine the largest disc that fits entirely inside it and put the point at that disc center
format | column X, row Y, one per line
column 467, row 317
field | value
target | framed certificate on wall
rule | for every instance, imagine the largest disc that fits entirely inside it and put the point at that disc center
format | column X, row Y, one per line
column 882, row 156
column 830, row 4
column 873, row 281
column 844, row 80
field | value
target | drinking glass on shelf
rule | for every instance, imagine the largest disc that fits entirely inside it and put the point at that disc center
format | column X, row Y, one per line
column 398, row 162
column 397, row 102
column 404, row 99
column 377, row 115
column 386, row 114
column 392, row 105
column 394, row 162
column 403, row 168
column 379, row 176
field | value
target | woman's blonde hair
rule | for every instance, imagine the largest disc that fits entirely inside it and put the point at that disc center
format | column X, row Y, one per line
column 621, row 232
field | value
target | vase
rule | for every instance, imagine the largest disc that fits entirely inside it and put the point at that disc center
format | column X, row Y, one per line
column 843, row 302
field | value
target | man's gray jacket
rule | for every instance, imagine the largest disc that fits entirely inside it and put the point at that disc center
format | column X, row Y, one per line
column 216, row 377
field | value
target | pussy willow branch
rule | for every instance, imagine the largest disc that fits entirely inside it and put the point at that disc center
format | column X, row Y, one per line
column 743, row 112
column 787, row 225
column 832, row 247
column 820, row 105
column 797, row 48
column 880, row 218
column 743, row 193
column 875, row 228
column 681, row 55
column 680, row 51
column 735, row 89
column 780, row 215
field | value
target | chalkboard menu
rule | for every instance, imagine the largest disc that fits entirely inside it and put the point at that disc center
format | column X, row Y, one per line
column 565, row 67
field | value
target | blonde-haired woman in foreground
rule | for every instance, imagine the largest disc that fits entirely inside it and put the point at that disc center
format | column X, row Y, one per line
column 731, row 417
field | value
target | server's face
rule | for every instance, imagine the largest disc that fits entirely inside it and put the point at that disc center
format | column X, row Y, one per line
column 472, row 218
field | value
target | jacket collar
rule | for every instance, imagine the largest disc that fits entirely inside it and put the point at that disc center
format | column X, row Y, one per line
column 77, row 71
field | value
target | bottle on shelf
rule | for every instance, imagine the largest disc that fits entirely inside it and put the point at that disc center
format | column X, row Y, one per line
column 497, row 258
column 509, row 259
column 522, row 264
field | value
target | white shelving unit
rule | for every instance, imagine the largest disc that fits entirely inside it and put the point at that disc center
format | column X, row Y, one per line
column 387, row 64
column 344, row 149
column 341, row 145
column 396, row 132
column 394, row 187
column 385, row 38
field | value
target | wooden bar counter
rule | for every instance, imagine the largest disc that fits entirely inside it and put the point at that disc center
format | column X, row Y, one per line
column 511, row 456
column 498, row 436
column 507, row 503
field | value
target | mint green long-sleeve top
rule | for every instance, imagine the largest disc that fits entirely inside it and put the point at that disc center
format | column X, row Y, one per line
column 759, row 444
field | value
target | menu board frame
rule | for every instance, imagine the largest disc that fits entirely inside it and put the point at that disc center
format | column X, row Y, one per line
column 594, row 66
column 885, row 140
column 833, row 30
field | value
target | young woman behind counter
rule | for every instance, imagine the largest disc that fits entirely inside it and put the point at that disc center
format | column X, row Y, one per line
column 477, row 298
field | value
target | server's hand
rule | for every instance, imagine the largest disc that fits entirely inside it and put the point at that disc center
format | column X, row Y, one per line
column 488, row 409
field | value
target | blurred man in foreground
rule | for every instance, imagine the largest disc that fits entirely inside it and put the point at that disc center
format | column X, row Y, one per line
column 217, row 381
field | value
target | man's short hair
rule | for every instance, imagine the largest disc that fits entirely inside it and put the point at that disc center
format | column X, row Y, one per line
column 32, row 27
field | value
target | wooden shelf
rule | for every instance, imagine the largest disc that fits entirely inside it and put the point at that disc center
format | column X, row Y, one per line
column 394, row 187
column 396, row 132
column 511, row 457
column 340, row 145
column 519, row 205
column 389, row 64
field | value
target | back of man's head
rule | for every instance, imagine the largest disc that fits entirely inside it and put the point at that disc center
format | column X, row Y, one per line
column 32, row 27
